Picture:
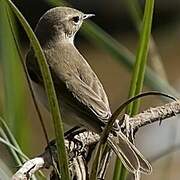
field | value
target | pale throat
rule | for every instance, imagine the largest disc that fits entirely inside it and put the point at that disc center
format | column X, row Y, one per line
column 66, row 39
column 71, row 39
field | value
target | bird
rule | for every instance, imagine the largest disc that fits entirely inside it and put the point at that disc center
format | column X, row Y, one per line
column 82, row 98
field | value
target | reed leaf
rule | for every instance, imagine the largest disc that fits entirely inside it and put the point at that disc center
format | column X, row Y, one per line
column 138, row 73
column 13, row 82
column 54, row 108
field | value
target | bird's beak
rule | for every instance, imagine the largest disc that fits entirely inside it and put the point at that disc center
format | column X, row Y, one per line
column 85, row 16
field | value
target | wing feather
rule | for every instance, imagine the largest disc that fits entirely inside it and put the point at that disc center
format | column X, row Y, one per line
column 74, row 81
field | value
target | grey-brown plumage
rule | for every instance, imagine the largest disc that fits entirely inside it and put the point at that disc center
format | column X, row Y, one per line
column 80, row 93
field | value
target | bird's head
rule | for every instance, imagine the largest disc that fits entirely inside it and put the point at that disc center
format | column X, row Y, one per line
column 60, row 22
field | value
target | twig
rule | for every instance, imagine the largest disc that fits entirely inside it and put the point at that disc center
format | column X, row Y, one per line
column 158, row 113
column 81, row 143
column 29, row 168
column 79, row 149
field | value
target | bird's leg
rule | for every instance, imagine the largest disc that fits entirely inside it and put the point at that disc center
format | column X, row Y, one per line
column 129, row 131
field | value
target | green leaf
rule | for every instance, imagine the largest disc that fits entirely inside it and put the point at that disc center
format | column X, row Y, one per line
column 138, row 71
column 9, row 140
column 141, row 57
column 54, row 108
column 7, row 143
column 5, row 132
column 15, row 108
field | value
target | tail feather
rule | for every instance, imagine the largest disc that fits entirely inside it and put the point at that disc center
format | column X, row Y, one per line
column 130, row 156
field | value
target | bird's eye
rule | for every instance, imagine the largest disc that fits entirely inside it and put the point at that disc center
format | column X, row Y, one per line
column 75, row 19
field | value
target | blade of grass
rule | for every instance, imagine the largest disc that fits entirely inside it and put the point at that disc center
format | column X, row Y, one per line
column 20, row 154
column 9, row 137
column 15, row 108
column 5, row 131
column 7, row 143
column 96, row 161
column 58, row 125
column 17, row 43
column 138, row 72
column 15, row 156
column 155, row 58
column 9, row 140
column 135, row 12
column 141, row 57
column 13, row 103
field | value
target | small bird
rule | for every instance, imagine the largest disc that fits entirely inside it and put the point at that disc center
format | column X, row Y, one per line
column 83, row 101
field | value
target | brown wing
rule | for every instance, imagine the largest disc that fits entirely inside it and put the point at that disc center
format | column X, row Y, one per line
column 70, row 67
column 74, row 81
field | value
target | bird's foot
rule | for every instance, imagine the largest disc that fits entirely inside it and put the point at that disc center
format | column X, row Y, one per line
column 129, row 131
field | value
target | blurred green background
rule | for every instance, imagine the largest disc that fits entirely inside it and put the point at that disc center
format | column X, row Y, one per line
column 158, row 143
